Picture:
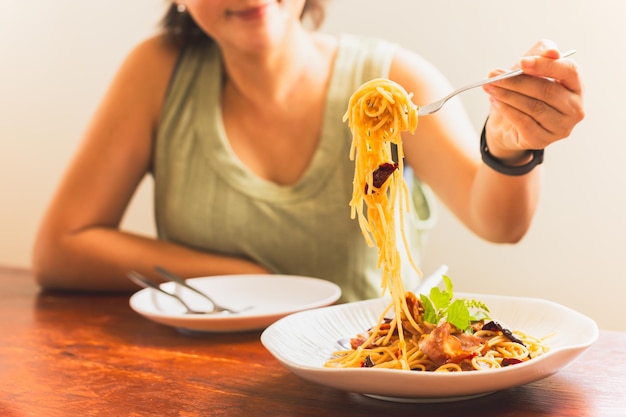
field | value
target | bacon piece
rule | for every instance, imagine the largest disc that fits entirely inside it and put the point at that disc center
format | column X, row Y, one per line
column 355, row 342
column 383, row 330
column 445, row 344
column 416, row 308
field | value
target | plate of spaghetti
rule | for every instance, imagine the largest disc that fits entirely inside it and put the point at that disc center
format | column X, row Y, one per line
column 306, row 343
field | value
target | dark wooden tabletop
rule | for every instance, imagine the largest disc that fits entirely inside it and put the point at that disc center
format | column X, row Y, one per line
column 66, row 355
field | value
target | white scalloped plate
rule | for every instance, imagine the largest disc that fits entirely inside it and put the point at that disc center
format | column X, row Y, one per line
column 265, row 298
column 304, row 341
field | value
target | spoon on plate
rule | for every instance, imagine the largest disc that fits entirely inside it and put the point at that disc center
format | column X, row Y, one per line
column 424, row 287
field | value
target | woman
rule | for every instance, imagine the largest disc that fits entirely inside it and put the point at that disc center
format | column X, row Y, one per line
column 236, row 111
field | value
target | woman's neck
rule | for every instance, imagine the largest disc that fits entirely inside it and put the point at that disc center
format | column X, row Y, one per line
column 277, row 73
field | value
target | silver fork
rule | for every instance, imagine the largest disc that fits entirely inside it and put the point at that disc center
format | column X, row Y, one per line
column 173, row 277
column 144, row 282
column 437, row 105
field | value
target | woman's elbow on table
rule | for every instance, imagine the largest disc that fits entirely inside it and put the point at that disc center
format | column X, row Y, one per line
column 44, row 263
column 53, row 263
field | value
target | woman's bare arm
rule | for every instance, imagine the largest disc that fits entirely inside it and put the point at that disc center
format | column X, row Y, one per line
column 79, row 244
column 444, row 151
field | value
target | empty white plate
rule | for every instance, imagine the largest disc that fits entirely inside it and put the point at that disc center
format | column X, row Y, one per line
column 264, row 298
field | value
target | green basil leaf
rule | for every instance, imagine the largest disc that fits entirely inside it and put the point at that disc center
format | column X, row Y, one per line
column 459, row 315
column 430, row 315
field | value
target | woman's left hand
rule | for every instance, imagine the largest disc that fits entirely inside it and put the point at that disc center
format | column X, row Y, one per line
column 537, row 108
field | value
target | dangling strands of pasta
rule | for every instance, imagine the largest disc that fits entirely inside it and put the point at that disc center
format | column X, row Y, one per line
column 378, row 112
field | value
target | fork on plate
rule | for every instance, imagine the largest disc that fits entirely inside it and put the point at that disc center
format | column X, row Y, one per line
column 144, row 282
column 170, row 276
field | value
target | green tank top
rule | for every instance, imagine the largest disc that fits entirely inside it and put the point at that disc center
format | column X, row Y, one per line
column 207, row 199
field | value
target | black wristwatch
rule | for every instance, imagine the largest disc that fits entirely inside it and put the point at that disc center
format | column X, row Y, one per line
column 498, row 166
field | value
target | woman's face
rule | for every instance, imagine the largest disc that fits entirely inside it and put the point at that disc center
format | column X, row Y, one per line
column 251, row 25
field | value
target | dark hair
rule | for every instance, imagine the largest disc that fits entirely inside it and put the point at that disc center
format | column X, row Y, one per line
column 183, row 30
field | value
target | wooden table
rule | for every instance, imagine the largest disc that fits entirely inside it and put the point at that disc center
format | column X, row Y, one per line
column 90, row 355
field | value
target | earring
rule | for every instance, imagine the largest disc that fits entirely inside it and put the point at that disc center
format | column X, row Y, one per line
column 181, row 8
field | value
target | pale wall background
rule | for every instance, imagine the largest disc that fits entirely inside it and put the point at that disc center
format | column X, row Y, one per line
column 57, row 58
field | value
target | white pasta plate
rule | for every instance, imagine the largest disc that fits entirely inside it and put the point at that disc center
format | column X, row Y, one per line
column 263, row 299
column 304, row 341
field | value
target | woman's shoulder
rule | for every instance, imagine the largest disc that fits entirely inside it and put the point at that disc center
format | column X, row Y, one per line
column 157, row 51
column 146, row 71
